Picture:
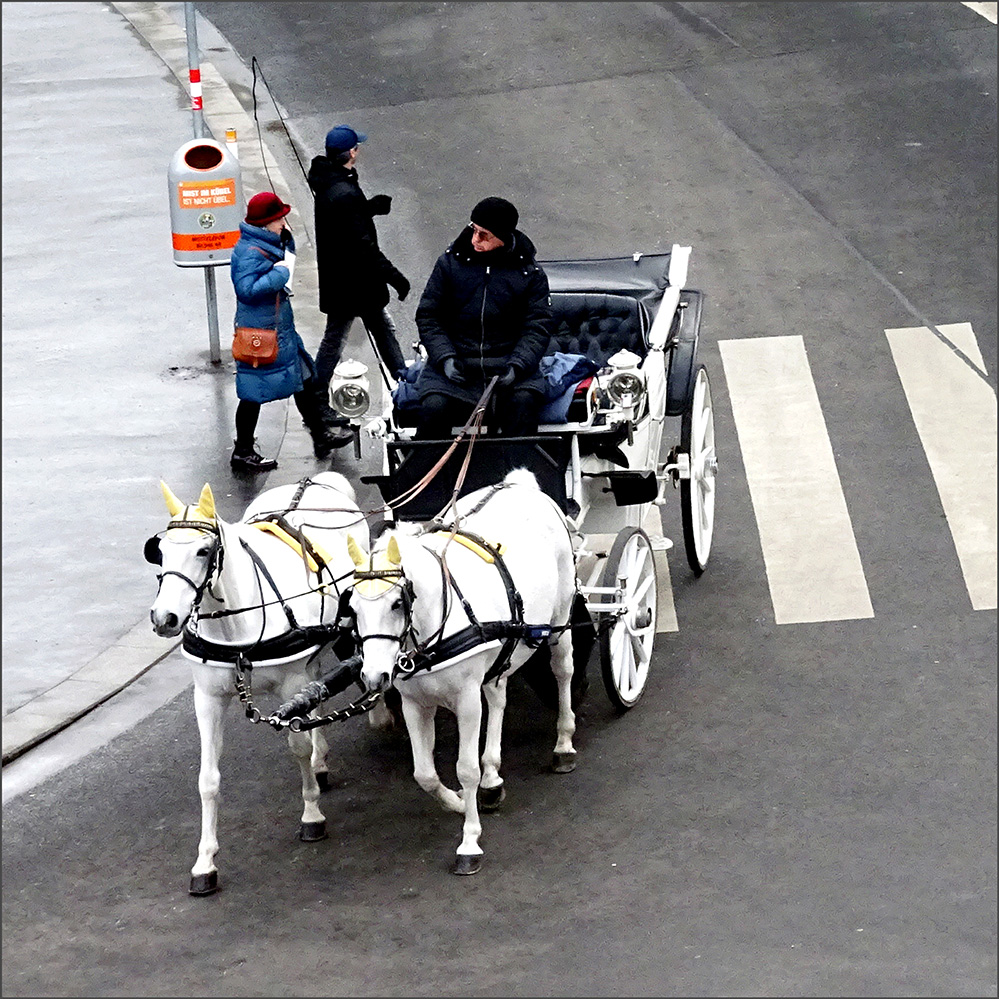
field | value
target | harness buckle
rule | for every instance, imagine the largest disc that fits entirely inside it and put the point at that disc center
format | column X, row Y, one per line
column 405, row 663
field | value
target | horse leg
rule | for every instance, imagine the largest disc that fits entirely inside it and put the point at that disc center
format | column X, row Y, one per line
column 469, row 854
column 420, row 723
column 319, row 750
column 387, row 713
column 380, row 717
column 313, row 826
column 491, row 790
column 564, row 757
column 209, row 708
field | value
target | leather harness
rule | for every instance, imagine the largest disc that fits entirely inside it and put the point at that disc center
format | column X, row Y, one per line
column 435, row 652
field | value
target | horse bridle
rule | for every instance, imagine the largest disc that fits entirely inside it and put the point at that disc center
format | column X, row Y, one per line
column 397, row 578
column 154, row 555
column 406, row 662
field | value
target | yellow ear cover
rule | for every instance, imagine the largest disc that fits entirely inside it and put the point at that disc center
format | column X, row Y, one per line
column 392, row 551
column 206, row 503
column 174, row 505
column 357, row 555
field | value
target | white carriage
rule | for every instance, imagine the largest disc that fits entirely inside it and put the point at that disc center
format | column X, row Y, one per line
column 607, row 460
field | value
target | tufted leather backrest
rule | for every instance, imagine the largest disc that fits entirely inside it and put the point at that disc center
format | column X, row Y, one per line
column 598, row 325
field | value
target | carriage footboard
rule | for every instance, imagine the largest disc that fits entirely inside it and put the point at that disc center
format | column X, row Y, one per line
column 491, row 459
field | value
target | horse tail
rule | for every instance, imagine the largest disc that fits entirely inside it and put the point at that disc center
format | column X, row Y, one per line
column 521, row 477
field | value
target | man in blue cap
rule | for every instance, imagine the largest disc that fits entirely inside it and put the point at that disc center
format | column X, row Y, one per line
column 354, row 274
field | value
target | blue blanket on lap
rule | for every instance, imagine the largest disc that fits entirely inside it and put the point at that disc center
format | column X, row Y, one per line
column 562, row 373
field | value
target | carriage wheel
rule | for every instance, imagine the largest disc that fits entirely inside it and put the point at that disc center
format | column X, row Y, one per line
column 697, row 494
column 626, row 639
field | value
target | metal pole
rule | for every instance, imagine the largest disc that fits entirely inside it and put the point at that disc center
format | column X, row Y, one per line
column 194, row 70
column 213, row 316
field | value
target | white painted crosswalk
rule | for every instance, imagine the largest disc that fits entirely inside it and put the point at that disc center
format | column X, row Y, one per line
column 813, row 566
column 954, row 410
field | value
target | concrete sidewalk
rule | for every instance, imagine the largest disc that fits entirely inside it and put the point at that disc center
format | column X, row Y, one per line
column 108, row 383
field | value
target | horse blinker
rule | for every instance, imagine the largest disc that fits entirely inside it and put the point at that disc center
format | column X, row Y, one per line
column 151, row 550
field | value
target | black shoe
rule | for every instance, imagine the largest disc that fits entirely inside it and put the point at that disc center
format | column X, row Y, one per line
column 251, row 461
column 330, row 438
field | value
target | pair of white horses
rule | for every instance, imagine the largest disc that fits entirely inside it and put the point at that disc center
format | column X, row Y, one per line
column 259, row 585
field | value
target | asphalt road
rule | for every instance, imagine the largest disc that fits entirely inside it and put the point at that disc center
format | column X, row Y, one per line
column 792, row 809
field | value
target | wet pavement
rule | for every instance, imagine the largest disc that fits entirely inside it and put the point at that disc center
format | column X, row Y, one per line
column 109, row 385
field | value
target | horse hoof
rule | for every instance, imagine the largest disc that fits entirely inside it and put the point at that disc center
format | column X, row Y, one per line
column 323, row 780
column 312, row 832
column 204, row 884
column 467, row 863
column 563, row 763
column 490, row 797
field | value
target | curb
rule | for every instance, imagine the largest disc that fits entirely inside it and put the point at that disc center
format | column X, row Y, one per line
column 139, row 649
column 104, row 676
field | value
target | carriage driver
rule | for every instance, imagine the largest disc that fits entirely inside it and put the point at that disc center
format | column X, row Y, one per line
column 485, row 311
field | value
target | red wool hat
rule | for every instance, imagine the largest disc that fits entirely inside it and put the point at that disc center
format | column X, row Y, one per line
column 265, row 207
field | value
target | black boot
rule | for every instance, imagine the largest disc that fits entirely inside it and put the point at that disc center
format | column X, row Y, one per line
column 326, row 439
column 318, row 419
column 249, row 459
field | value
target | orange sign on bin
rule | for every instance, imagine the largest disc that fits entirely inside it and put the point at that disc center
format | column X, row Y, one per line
column 194, row 242
column 207, row 194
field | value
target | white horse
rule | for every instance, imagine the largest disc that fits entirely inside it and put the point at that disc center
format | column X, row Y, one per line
column 260, row 589
column 440, row 612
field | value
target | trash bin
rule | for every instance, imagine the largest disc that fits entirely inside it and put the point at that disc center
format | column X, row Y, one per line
column 206, row 203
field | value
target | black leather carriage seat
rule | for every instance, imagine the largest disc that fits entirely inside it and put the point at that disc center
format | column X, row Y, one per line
column 599, row 325
column 591, row 323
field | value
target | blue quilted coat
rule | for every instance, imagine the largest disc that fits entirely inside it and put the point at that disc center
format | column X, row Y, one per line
column 260, row 300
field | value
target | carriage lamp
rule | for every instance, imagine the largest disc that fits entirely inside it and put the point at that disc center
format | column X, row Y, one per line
column 626, row 384
column 350, row 391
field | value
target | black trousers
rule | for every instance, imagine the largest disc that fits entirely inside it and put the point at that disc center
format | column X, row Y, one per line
column 381, row 326
column 247, row 413
column 515, row 412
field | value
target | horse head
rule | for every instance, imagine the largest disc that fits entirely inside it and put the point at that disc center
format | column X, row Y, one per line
column 188, row 552
column 381, row 598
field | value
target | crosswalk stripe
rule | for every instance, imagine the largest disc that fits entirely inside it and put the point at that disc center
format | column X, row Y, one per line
column 954, row 410
column 809, row 549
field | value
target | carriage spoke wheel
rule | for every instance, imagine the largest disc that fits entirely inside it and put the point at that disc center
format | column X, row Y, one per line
column 626, row 639
column 697, row 494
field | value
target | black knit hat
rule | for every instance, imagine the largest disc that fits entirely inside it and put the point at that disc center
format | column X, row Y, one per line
column 496, row 215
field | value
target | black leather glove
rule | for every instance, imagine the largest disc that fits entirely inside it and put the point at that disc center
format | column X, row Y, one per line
column 508, row 377
column 401, row 286
column 452, row 371
column 286, row 236
column 380, row 204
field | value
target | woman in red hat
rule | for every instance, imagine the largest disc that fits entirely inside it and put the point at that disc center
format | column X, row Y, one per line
column 262, row 265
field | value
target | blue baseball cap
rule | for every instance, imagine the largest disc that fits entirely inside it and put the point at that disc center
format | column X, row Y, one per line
column 342, row 138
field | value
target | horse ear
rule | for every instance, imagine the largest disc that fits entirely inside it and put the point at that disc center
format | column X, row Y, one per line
column 206, row 502
column 174, row 505
column 392, row 551
column 357, row 556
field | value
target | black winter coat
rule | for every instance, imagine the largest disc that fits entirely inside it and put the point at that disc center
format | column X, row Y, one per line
column 486, row 310
column 354, row 274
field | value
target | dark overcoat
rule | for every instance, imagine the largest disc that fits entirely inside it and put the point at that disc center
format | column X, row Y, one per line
column 354, row 274
column 486, row 310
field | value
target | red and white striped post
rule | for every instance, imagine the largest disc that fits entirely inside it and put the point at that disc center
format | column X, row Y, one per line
column 194, row 69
